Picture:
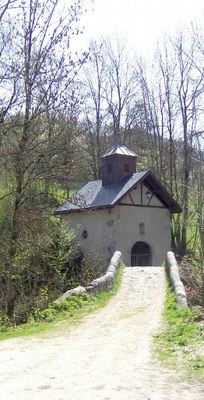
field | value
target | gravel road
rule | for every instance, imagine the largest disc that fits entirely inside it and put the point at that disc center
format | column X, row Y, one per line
column 107, row 356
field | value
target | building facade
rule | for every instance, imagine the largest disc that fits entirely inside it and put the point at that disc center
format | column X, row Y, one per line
column 127, row 211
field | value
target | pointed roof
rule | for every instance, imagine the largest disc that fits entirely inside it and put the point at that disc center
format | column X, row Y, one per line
column 95, row 196
column 120, row 150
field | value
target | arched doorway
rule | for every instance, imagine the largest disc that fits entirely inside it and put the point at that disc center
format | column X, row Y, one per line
column 141, row 254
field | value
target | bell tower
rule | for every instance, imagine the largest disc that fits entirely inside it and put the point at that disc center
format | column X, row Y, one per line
column 117, row 163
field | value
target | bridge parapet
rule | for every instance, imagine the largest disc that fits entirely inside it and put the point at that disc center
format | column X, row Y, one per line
column 175, row 280
column 105, row 282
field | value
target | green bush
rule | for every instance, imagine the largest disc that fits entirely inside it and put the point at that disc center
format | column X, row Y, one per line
column 44, row 260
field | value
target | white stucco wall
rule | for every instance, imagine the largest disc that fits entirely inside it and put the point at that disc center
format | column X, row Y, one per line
column 157, row 231
column 117, row 228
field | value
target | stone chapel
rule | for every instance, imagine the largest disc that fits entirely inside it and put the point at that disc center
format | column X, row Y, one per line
column 126, row 210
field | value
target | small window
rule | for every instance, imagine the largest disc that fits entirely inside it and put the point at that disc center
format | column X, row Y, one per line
column 127, row 168
column 110, row 168
column 142, row 228
column 84, row 234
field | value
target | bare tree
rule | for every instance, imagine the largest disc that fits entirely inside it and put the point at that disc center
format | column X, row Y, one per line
column 122, row 83
column 43, row 70
column 109, row 96
column 172, row 103
column 94, row 86
column 8, row 84
column 189, row 91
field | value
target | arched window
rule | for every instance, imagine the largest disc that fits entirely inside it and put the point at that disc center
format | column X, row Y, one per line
column 141, row 254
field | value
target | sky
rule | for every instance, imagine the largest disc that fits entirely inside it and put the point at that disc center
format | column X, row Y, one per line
column 142, row 22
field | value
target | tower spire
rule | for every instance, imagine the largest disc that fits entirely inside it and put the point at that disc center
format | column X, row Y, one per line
column 117, row 163
column 118, row 141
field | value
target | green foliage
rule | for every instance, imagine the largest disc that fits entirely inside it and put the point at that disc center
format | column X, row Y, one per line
column 5, row 323
column 92, row 266
column 43, row 262
column 66, row 307
column 46, row 262
column 71, row 310
column 181, row 336
column 59, row 247
column 59, row 194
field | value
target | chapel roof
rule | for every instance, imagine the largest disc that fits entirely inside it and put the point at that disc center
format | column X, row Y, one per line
column 120, row 150
column 94, row 195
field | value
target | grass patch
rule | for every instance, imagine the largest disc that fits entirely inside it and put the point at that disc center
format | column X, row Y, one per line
column 180, row 341
column 72, row 310
column 60, row 194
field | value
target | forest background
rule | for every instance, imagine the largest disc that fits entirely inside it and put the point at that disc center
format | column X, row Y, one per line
column 59, row 111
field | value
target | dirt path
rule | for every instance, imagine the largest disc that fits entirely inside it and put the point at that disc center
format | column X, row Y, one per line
column 106, row 357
